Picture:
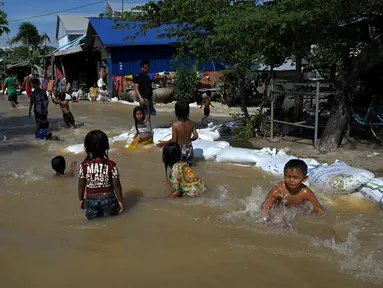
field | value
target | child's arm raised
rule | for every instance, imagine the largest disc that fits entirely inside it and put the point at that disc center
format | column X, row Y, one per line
column 310, row 196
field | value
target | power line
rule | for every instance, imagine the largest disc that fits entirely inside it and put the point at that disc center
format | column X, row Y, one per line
column 52, row 13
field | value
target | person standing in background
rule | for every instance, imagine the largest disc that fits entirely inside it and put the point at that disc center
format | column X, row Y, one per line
column 10, row 83
column 27, row 84
column 2, row 83
column 144, row 90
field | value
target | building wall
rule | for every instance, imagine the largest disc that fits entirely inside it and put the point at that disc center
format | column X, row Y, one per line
column 63, row 41
column 62, row 31
column 126, row 60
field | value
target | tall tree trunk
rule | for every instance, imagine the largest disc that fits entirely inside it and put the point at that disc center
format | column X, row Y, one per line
column 369, row 58
column 241, row 92
column 337, row 124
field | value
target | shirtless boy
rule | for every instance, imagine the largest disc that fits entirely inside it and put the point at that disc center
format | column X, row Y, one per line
column 206, row 103
column 27, row 83
column 292, row 191
column 183, row 132
column 64, row 105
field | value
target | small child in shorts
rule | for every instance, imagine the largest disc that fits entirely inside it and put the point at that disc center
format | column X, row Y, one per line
column 206, row 103
column 100, row 178
column 184, row 132
column 64, row 105
column 291, row 191
column 185, row 182
column 59, row 166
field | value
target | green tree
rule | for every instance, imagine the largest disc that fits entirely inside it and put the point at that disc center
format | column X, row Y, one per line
column 239, row 32
column 29, row 35
column 3, row 20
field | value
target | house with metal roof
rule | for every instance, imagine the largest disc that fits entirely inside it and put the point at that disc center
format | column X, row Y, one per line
column 112, row 40
column 69, row 27
column 114, row 8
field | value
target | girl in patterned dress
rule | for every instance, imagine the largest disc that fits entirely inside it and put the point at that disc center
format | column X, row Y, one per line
column 185, row 182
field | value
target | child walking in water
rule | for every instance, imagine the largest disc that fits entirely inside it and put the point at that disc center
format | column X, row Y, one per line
column 206, row 103
column 291, row 191
column 183, row 132
column 185, row 182
column 144, row 133
column 59, row 99
column 100, row 177
column 59, row 166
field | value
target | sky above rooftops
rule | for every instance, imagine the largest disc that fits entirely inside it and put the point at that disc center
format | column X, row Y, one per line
column 23, row 9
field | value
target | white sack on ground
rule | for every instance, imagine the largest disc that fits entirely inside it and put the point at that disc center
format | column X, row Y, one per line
column 244, row 156
column 339, row 178
column 373, row 190
column 208, row 150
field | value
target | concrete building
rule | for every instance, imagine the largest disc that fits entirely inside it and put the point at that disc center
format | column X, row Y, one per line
column 69, row 27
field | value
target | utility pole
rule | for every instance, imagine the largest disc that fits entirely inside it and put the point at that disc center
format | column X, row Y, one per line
column 122, row 3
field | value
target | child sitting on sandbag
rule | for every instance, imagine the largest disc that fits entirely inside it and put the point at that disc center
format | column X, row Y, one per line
column 144, row 133
column 291, row 191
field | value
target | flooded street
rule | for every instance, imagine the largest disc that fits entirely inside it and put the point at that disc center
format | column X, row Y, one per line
column 214, row 241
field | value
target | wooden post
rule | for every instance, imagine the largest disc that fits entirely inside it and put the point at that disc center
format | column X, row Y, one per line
column 110, row 73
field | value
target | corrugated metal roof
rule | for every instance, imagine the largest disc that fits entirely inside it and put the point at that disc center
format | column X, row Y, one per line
column 128, row 6
column 77, row 23
column 110, row 35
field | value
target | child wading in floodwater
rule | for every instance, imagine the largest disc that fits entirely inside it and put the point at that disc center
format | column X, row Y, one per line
column 64, row 105
column 59, row 166
column 185, row 182
column 99, row 176
column 206, row 103
column 144, row 134
column 291, row 191
column 182, row 132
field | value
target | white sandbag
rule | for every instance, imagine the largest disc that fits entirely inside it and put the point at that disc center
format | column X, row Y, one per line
column 76, row 149
column 208, row 134
column 127, row 136
column 373, row 190
column 163, row 134
column 208, row 150
column 275, row 164
column 135, row 103
column 114, row 99
column 311, row 164
column 243, row 156
column 339, row 178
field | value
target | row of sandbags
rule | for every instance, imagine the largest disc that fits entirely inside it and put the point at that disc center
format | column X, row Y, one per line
column 337, row 178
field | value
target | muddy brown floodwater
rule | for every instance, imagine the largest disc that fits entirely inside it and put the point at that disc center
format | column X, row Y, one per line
column 213, row 241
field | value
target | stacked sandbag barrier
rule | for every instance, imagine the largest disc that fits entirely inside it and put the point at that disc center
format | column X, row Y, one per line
column 336, row 178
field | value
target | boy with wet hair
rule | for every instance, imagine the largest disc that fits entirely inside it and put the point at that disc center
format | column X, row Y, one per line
column 59, row 166
column 206, row 103
column 291, row 191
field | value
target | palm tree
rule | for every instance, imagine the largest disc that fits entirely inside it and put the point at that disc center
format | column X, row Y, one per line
column 30, row 36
